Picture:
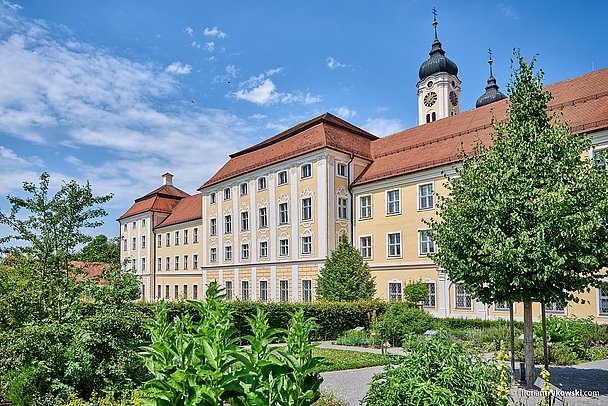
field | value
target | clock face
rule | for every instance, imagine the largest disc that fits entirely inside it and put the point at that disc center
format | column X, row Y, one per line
column 430, row 99
column 453, row 98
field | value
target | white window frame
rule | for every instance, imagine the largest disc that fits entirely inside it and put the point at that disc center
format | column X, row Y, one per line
column 185, row 236
column 213, row 254
column 244, row 189
column 304, row 252
column 361, row 207
column 263, row 297
column 426, row 231
column 302, row 176
column 168, row 263
column 398, row 297
column 601, row 297
column 281, row 182
column 285, row 212
column 176, row 262
column 167, row 291
column 213, row 227
column 281, row 246
column 549, row 309
column 186, row 262
column 228, row 290
column 185, row 291
column 261, row 250
column 228, row 193
column 143, row 242
column 465, row 294
column 143, row 264
column 342, row 165
column 245, row 221
column 195, row 235
column 194, row 261
column 160, row 241
column 342, row 207
column 228, row 224
column 310, row 209
column 502, row 309
column 388, row 245
column 262, row 183
column 245, row 249
column 371, row 247
column 262, row 224
column 245, row 290
column 212, row 198
column 306, row 293
column 395, row 213
column 195, row 291
column 168, row 240
column 228, row 250
column 176, row 242
column 420, row 197
column 281, row 291
column 160, row 263
column 431, row 300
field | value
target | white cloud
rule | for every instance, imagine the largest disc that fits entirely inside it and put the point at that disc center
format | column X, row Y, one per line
column 262, row 90
column 210, row 46
column 214, row 32
column 334, row 64
column 345, row 112
column 257, row 116
column 507, row 11
column 231, row 72
column 188, row 30
column 196, row 45
column 12, row 6
column 179, row 68
column 383, row 126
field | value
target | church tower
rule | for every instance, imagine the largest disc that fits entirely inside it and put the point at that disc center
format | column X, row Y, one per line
column 439, row 86
column 492, row 93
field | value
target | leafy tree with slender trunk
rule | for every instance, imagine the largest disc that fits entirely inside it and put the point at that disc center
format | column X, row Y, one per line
column 101, row 249
column 522, row 221
column 346, row 275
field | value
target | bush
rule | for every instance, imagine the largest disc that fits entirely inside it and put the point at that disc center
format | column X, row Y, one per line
column 561, row 354
column 438, row 372
column 401, row 319
column 355, row 338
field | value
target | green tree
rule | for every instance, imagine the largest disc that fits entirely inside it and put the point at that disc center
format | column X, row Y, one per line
column 346, row 276
column 101, row 249
column 522, row 222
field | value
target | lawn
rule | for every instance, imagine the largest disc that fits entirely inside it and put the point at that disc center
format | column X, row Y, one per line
column 338, row 360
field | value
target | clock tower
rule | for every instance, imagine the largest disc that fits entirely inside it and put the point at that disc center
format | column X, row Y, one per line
column 439, row 86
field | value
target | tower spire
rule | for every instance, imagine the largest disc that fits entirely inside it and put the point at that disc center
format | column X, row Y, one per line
column 490, row 62
column 435, row 23
column 492, row 93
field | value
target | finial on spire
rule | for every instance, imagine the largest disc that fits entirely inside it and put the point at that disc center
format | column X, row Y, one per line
column 435, row 21
column 490, row 62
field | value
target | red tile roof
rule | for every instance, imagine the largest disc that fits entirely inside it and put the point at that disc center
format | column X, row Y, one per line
column 325, row 131
column 582, row 101
column 188, row 209
column 162, row 199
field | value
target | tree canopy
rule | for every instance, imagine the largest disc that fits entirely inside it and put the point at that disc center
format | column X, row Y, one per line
column 346, row 275
column 101, row 249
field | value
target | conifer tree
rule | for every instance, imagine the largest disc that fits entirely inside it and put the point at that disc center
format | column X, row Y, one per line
column 346, row 275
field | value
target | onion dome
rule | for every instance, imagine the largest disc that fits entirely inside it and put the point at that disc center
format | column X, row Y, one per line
column 437, row 61
column 492, row 93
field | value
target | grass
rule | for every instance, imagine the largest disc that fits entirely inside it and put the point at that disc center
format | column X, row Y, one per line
column 338, row 360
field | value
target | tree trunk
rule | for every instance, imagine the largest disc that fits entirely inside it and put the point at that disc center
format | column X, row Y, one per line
column 529, row 345
column 512, row 342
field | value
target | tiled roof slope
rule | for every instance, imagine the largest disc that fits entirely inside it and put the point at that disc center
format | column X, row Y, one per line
column 163, row 200
column 188, row 209
column 324, row 131
column 582, row 100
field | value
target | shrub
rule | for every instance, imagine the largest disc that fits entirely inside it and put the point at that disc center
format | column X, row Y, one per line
column 438, row 372
column 355, row 338
column 415, row 292
column 401, row 319
column 561, row 354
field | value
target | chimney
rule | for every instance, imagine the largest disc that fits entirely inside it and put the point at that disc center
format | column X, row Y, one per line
column 167, row 179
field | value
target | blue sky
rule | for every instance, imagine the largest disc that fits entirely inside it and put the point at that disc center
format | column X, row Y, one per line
column 118, row 92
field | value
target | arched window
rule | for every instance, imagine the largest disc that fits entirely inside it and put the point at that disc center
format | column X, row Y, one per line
column 434, row 116
column 428, row 118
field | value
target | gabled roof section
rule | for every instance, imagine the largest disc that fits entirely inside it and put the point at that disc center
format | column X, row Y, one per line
column 325, row 131
column 188, row 209
column 582, row 101
column 161, row 200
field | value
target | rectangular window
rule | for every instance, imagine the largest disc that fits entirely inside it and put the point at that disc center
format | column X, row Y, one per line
column 557, row 307
column 134, row 225
column 175, row 291
column 160, row 264
column 185, row 291
column 167, row 264
column 213, row 254
column 177, row 262
column 307, row 209
column 159, row 291
column 185, row 262
column 342, row 208
column 244, row 290
column 134, row 243
column 143, row 241
column 228, row 291
column 262, row 183
column 143, row 222
column 341, row 169
column 243, row 189
column 124, row 227
column 284, row 247
column 282, row 178
column 195, row 291
column 168, row 240
column 166, row 291
column 228, row 224
column 124, row 245
column 365, row 207
column 177, row 238
column 394, row 244
column 426, row 197
column 284, row 291
column 306, row 290
column 426, row 243
column 307, row 245
column 195, row 236
column 263, row 217
column 501, row 306
column 133, row 265
column 263, row 249
column 245, row 221
column 464, row 300
column 264, row 291
column 392, row 202
column 430, row 299
column 603, row 302
column 212, row 198
column 244, row 251
column 185, row 236
column 306, row 171
column 160, row 241
column 143, row 264
column 227, row 194
column 365, row 246
column 283, row 213
column 395, row 292
column 212, row 227
column 228, row 253
column 195, row 261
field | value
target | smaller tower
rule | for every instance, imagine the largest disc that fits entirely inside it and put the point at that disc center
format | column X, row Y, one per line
column 439, row 86
column 492, row 93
